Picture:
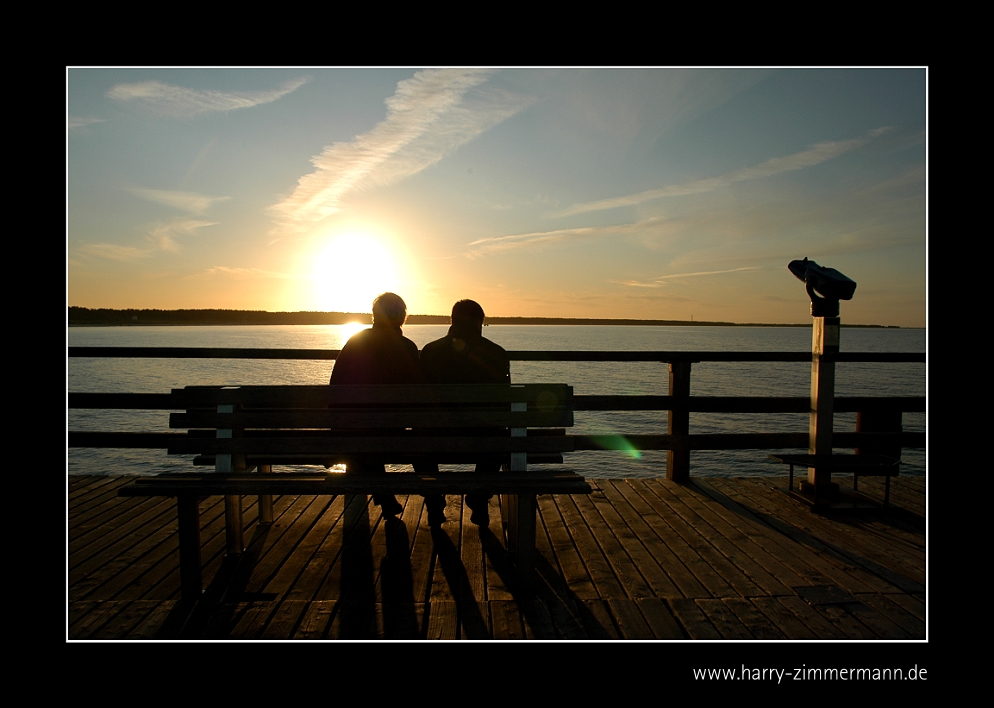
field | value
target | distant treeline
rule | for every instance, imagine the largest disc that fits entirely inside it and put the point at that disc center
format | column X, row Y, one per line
column 82, row 316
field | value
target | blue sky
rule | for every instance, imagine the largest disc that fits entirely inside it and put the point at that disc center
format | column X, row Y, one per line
column 646, row 193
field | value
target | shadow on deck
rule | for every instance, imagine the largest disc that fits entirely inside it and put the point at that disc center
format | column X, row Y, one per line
column 637, row 559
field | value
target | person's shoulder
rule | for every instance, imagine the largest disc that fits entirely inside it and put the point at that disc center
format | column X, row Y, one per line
column 435, row 346
column 359, row 337
column 492, row 345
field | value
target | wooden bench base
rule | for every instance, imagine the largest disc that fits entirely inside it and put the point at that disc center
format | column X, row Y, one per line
column 867, row 465
column 519, row 490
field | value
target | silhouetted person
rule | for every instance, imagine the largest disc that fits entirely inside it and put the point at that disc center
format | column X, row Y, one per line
column 379, row 355
column 465, row 356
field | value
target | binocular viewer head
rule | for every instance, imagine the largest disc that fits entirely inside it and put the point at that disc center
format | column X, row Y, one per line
column 828, row 283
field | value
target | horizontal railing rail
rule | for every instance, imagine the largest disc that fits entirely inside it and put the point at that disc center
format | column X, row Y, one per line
column 678, row 440
column 693, row 404
column 515, row 355
column 695, row 441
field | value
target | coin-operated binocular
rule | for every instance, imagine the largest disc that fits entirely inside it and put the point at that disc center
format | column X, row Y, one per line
column 825, row 286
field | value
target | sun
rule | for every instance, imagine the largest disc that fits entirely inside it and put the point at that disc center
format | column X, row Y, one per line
column 351, row 269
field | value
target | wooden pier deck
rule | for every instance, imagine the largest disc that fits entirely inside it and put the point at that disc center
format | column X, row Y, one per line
column 637, row 559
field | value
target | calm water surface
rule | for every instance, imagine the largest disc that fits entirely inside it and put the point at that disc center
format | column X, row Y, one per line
column 708, row 379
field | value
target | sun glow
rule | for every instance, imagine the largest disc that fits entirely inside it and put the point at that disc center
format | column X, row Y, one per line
column 350, row 270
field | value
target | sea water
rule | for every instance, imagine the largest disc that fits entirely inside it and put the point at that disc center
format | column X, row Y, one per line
column 640, row 378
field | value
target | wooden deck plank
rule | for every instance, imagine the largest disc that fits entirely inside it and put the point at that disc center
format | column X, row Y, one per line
column 849, row 625
column 758, row 624
column 155, row 623
column 607, row 537
column 422, row 556
column 597, row 620
column 598, row 567
column 573, row 572
column 811, row 618
column 702, row 539
column 443, row 620
column 284, row 620
column 775, row 609
column 449, row 576
column 328, row 538
column 130, row 616
column 619, row 515
column 471, row 554
column 723, row 617
column 537, row 619
column 122, row 522
column 282, row 539
column 758, row 541
column 885, row 605
column 316, row 619
column 667, row 526
column 352, row 533
column 660, row 619
column 811, row 569
column 658, row 537
column 750, row 577
column 126, row 559
column 631, row 624
column 493, row 541
column 693, row 621
column 322, row 515
column 805, row 528
column 910, row 602
column 331, row 570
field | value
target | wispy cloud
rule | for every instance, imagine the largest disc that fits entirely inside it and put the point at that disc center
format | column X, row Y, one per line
column 241, row 274
column 80, row 121
column 162, row 234
column 676, row 276
column 697, row 274
column 814, row 155
column 430, row 115
column 184, row 201
column 504, row 243
column 116, row 252
column 161, row 238
column 182, row 102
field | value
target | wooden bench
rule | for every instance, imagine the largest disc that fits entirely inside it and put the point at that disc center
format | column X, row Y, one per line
column 241, row 429
column 865, row 465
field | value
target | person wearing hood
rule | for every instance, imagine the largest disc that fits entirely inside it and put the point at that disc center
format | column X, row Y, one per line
column 465, row 356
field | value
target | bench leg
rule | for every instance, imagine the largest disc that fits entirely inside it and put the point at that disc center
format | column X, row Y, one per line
column 265, row 500
column 233, row 524
column 190, row 573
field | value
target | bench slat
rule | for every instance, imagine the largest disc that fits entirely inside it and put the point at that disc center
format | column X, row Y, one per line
column 365, row 418
column 379, row 446
column 558, row 482
column 539, row 395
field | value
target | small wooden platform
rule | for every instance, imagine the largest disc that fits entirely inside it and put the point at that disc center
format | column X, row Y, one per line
column 637, row 559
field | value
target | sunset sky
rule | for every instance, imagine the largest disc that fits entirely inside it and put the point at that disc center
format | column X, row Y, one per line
column 633, row 193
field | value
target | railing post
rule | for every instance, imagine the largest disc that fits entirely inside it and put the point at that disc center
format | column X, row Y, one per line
column 824, row 348
column 678, row 460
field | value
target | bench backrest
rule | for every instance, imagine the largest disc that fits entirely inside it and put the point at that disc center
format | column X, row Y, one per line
column 237, row 427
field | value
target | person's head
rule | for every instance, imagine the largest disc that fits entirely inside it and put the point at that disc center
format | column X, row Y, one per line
column 389, row 309
column 467, row 314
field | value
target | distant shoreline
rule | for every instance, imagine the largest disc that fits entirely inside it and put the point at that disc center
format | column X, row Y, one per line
column 86, row 317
